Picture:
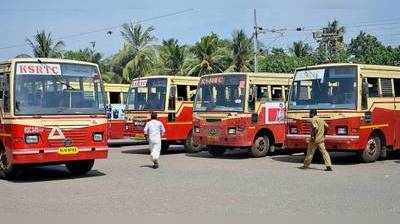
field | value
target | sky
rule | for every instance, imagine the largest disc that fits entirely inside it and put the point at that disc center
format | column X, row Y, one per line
column 20, row 19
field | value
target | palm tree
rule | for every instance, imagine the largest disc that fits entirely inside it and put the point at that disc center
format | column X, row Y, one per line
column 241, row 48
column 208, row 56
column 44, row 46
column 172, row 56
column 87, row 54
column 135, row 59
column 301, row 49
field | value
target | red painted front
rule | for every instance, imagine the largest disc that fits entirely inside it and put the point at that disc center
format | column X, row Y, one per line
column 214, row 132
column 176, row 131
column 116, row 129
column 46, row 150
column 359, row 131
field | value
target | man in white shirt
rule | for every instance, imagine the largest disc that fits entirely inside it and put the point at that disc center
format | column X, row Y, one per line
column 154, row 130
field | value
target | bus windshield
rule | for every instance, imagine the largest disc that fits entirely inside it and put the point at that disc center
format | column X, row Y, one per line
column 57, row 88
column 147, row 94
column 324, row 88
column 221, row 93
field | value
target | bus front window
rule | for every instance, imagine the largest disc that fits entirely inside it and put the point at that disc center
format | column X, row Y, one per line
column 221, row 93
column 147, row 94
column 75, row 89
column 324, row 88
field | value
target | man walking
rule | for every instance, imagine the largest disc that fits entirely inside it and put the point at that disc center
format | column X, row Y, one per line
column 154, row 130
column 317, row 140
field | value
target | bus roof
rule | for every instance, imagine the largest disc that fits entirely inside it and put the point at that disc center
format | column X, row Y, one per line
column 177, row 78
column 255, row 75
column 46, row 60
column 362, row 66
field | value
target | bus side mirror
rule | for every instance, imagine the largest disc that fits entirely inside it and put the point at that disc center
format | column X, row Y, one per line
column 171, row 117
column 254, row 118
column 172, row 98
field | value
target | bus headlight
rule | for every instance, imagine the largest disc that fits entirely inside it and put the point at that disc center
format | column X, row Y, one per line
column 31, row 139
column 97, row 137
column 232, row 131
column 342, row 131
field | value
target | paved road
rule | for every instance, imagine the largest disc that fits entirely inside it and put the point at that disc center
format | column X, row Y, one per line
column 200, row 184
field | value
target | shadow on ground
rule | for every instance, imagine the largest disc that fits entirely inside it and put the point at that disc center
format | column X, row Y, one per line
column 145, row 150
column 231, row 154
column 50, row 173
column 338, row 158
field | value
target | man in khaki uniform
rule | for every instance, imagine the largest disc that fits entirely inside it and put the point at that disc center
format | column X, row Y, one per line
column 317, row 141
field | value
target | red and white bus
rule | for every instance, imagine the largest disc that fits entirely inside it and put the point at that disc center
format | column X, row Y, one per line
column 171, row 97
column 241, row 110
column 359, row 102
column 52, row 112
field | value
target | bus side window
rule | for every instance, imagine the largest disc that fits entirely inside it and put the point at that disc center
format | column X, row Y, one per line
column 397, row 87
column 192, row 93
column 386, row 86
column 276, row 93
column 5, row 92
column 373, row 87
column 182, row 93
column 262, row 93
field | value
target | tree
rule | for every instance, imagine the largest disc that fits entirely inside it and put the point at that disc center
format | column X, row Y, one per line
column 44, row 46
column 208, row 56
column 172, row 56
column 301, row 49
column 135, row 59
column 87, row 54
column 241, row 48
column 331, row 46
column 366, row 48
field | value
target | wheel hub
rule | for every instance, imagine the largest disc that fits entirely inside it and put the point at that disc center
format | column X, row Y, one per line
column 3, row 160
column 261, row 145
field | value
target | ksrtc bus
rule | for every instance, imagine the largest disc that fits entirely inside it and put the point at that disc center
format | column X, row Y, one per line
column 52, row 112
column 171, row 97
column 241, row 110
column 359, row 102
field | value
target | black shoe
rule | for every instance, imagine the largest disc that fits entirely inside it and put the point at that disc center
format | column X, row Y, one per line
column 328, row 168
column 155, row 166
column 303, row 167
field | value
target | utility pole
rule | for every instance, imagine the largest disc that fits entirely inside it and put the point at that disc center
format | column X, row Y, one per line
column 255, row 40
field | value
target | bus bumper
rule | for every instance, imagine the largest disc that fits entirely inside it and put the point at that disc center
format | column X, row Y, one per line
column 226, row 141
column 332, row 142
column 51, row 155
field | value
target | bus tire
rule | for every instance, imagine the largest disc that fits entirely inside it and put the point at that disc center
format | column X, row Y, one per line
column 260, row 147
column 7, row 171
column 372, row 150
column 217, row 152
column 80, row 167
column 190, row 146
column 164, row 147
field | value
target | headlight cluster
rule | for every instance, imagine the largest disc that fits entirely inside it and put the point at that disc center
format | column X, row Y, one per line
column 98, row 137
column 232, row 131
column 31, row 139
column 293, row 130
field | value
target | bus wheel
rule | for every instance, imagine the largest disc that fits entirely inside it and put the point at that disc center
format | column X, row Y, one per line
column 217, row 152
column 372, row 150
column 80, row 167
column 190, row 146
column 7, row 171
column 164, row 147
column 260, row 147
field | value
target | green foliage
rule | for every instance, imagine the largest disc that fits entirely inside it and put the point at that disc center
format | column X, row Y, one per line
column 209, row 56
column 44, row 46
column 241, row 52
column 172, row 57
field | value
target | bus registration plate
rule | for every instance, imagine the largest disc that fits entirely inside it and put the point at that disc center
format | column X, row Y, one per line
column 68, row 150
